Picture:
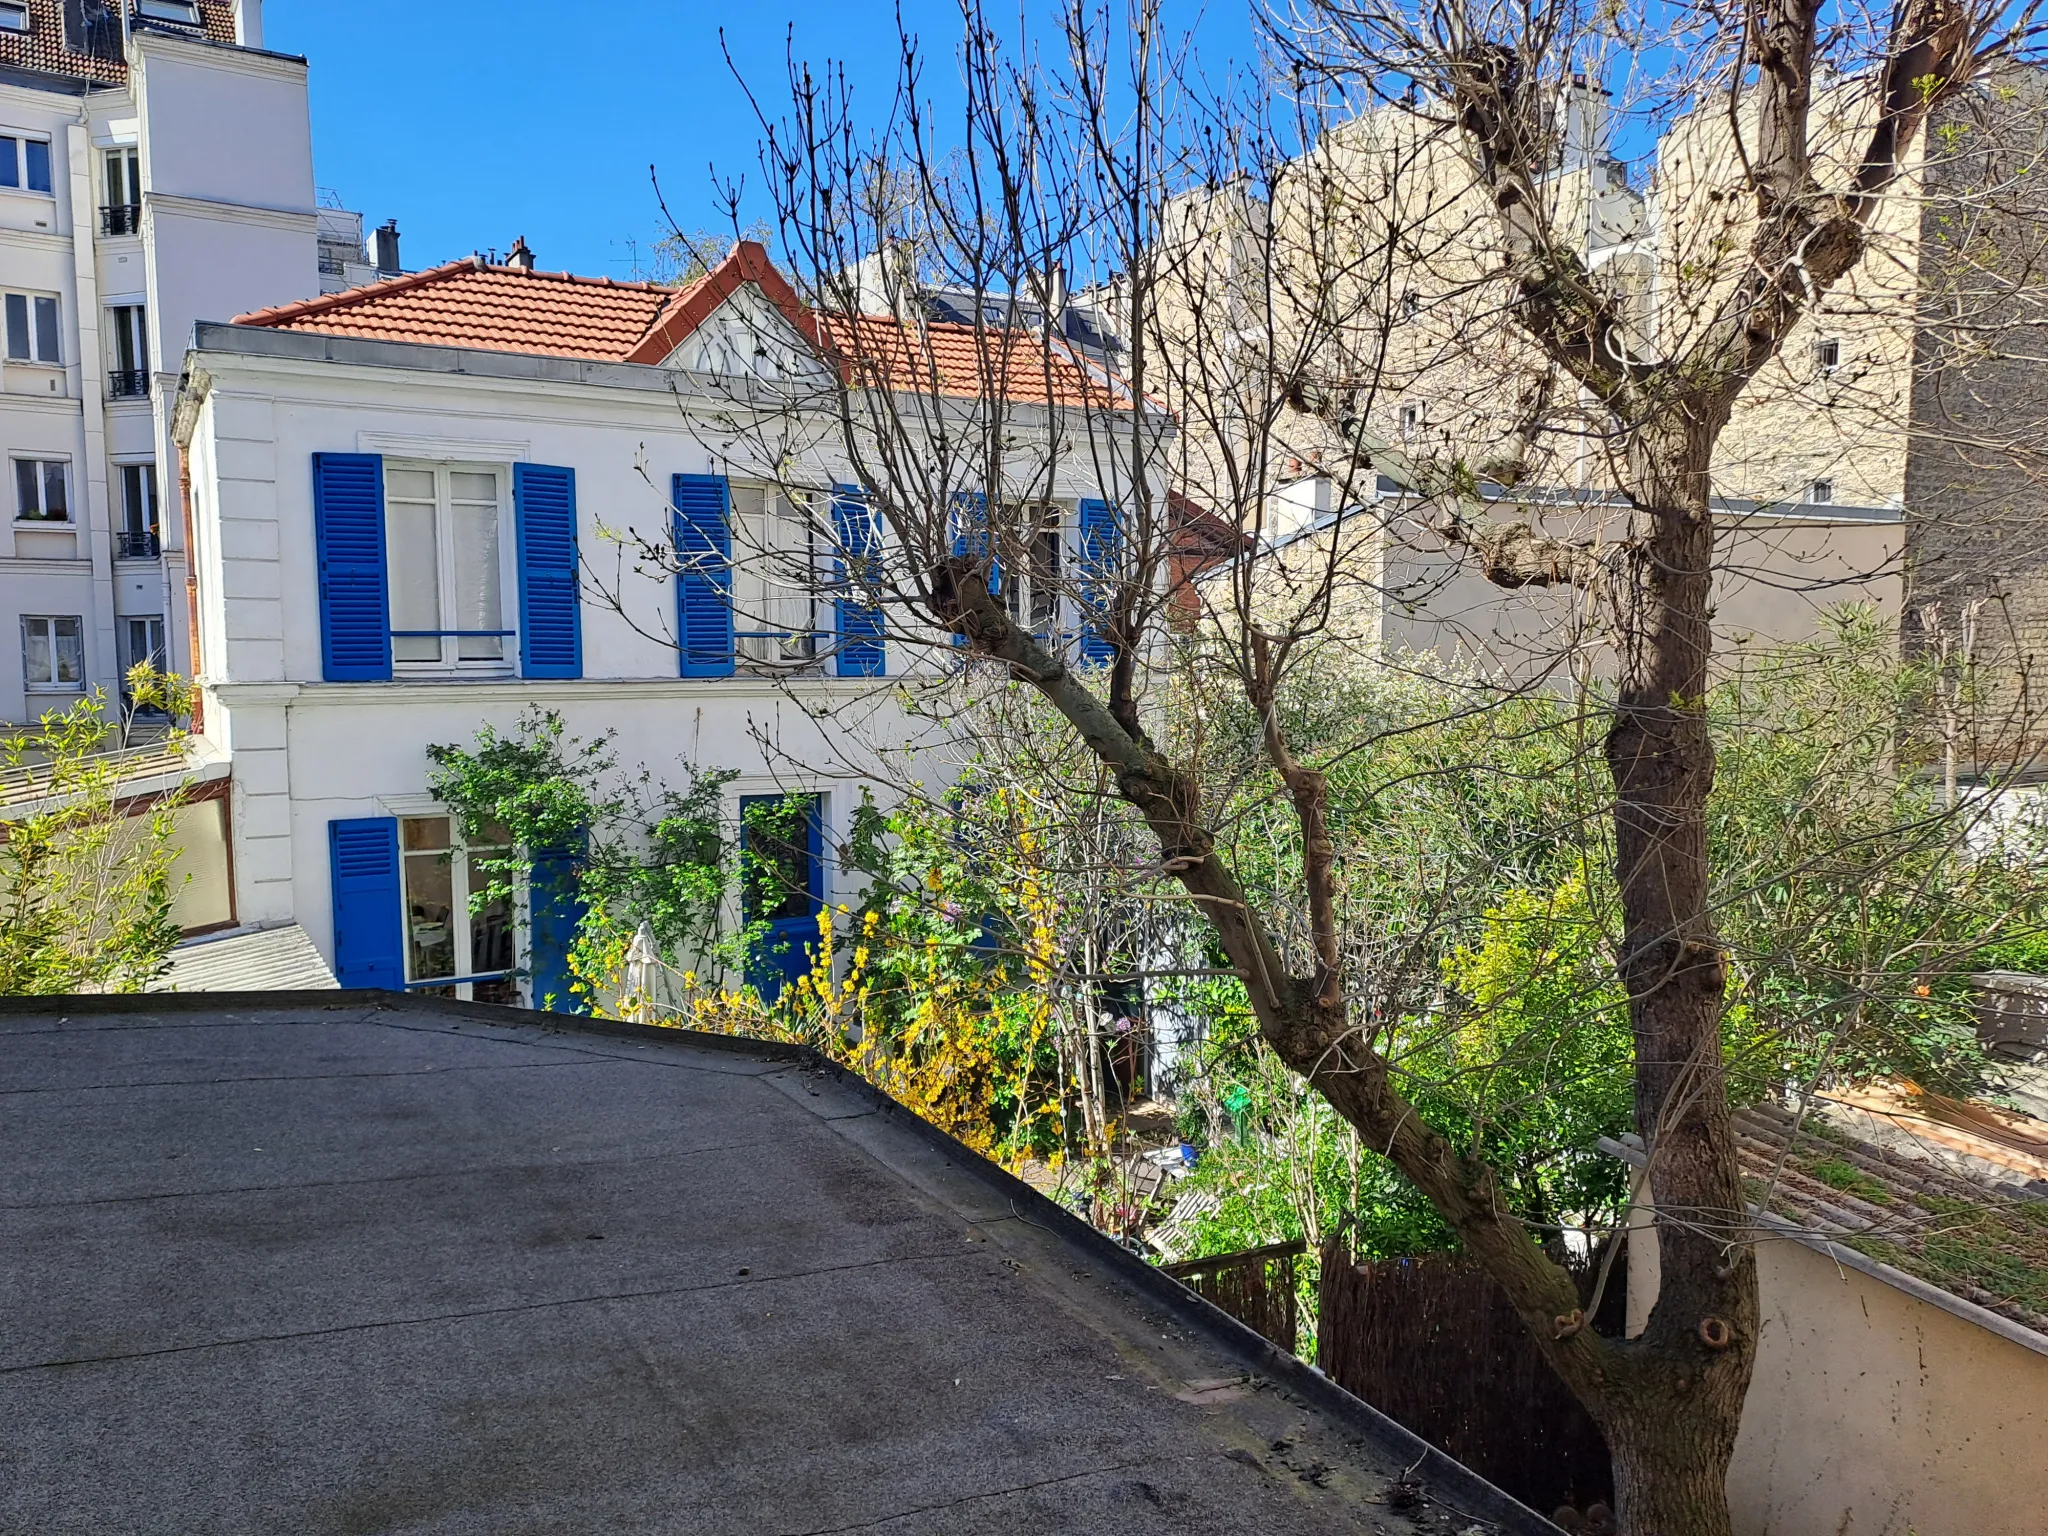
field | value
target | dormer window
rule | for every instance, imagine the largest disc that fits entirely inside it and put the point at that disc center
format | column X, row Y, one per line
column 181, row 13
column 1821, row 493
column 1827, row 354
column 13, row 16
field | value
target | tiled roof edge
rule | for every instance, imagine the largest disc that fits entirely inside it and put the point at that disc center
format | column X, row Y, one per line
column 328, row 303
column 1862, row 1263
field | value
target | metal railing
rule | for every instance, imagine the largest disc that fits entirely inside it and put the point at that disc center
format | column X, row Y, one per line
column 128, row 383
column 120, row 218
column 137, row 544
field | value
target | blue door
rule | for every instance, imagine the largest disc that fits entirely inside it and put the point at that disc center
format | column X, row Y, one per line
column 782, row 886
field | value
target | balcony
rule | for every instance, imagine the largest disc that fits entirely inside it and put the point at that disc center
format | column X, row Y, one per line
column 137, row 544
column 121, row 218
column 128, row 383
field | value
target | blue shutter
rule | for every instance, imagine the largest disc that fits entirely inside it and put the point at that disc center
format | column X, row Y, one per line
column 550, row 606
column 1100, row 556
column 348, row 528
column 862, row 652
column 703, row 535
column 369, row 906
column 971, row 537
column 555, row 903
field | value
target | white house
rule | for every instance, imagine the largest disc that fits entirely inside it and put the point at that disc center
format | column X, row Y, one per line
column 156, row 168
column 412, row 507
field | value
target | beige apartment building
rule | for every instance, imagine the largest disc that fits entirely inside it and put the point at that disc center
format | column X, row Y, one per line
column 1881, row 458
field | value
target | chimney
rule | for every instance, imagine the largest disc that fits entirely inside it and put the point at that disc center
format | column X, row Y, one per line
column 520, row 259
column 1584, row 136
column 386, row 240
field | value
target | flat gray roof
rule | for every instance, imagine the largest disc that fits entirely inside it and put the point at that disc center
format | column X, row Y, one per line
column 351, row 1262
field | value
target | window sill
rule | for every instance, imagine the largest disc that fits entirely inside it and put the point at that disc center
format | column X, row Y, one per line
column 54, row 524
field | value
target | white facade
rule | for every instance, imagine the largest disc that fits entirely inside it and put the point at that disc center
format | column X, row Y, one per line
column 183, row 191
column 307, row 753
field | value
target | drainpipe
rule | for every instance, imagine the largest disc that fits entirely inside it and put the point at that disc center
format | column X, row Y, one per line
column 191, row 587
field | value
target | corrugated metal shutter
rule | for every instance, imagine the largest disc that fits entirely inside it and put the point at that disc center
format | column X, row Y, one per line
column 550, row 608
column 862, row 651
column 348, row 529
column 703, row 536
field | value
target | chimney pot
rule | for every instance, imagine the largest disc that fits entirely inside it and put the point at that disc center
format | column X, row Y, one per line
column 520, row 259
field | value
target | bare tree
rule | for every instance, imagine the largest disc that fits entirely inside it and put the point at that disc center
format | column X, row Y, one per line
column 1270, row 266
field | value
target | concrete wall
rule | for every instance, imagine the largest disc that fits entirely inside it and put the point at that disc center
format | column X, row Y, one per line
column 1873, row 1413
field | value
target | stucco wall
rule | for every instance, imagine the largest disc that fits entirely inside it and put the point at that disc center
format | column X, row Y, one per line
column 1873, row 1413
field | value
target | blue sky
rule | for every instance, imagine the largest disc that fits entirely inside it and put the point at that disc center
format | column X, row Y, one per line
column 471, row 123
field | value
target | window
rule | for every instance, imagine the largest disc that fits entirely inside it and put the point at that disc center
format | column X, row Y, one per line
column 1411, row 305
column 1034, row 600
column 775, row 577
column 456, row 944
column 13, row 16
column 53, row 654
column 128, row 373
column 40, row 491
column 444, row 531
column 137, row 538
column 32, row 329
column 121, row 214
column 1411, row 420
column 24, row 162
column 1827, row 354
column 1821, row 493
column 142, row 641
column 183, row 13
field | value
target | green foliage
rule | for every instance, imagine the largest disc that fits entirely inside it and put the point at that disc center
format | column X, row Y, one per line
column 85, row 887
column 651, row 853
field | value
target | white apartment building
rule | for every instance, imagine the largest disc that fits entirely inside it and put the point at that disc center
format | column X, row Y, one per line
column 415, row 508
column 156, row 168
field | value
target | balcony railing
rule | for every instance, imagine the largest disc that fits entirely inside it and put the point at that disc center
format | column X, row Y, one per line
column 137, row 544
column 128, row 383
column 120, row 218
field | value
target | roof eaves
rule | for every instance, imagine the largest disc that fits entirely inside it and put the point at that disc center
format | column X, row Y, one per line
column 328, row 303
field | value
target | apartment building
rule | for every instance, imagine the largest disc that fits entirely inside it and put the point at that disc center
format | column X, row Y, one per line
column 155, row 169
column 428, row 505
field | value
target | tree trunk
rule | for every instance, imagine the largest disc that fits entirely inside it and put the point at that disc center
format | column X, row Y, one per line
column 1672, row 1426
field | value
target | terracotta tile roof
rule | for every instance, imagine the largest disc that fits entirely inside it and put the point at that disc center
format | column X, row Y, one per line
column 91, row 50
column 497, row 309
column 468, row 303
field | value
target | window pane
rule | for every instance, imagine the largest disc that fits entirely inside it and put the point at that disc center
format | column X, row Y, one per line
column 38, row 164
column 69, row 646
column 415, row 579
column 471, row 487
column 47, row 349
column 490, row 932
column 17, row 326
column 55, row 503
column 35, row 652
column 425, row 833
column 409, row 484
column 28, row 488
column 430, row 915
column 10, row 173
column 477, row 605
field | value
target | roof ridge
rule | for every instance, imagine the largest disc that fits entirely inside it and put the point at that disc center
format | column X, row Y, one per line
column 300, row 308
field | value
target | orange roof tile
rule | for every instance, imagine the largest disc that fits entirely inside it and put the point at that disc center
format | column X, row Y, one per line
column 93, row 50
column 468, row 303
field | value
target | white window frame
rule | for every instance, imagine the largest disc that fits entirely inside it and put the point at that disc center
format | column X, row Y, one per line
column 51, row 621
column 31, row 310
column 773, row 581
column 159, row 647
column 15, row 17
column 1827, row 354
column 152, row 493
column 129, row 323
column 1820, row 493
column 461, row 884
column 451, row 660
column 22, row 139
column 187, row 12
column 1036, row 603
column 40, row 517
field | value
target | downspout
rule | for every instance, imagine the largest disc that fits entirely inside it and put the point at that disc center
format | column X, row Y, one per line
column 191, row 587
